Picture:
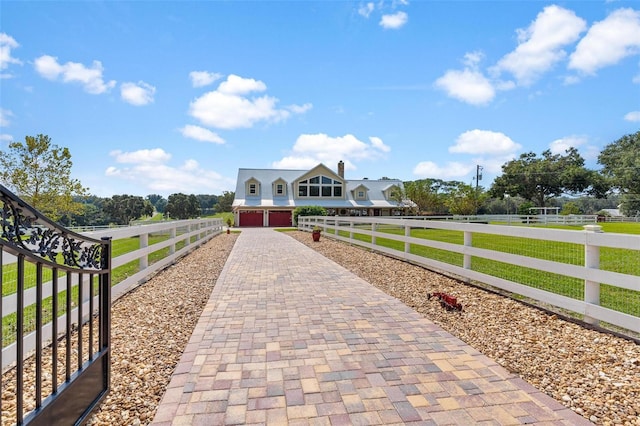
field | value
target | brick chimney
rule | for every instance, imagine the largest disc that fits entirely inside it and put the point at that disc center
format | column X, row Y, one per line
column 341, row 169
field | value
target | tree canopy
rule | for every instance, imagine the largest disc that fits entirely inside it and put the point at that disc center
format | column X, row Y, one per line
column 539, row 179
column 122, row 209
column 182, row 206
column 40, row 173
column 621, row 165
column 225, row 202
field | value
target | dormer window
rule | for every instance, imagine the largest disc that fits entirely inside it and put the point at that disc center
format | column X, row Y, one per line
column 391, row 191
column 279, row 188
column 253, row 188
column 360, row 192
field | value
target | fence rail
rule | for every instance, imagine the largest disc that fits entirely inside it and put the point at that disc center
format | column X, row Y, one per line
column 592, row 274
column 56, row 297
column 78, row 377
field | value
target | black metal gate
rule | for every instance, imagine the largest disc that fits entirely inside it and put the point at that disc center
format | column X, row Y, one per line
column 55, row 307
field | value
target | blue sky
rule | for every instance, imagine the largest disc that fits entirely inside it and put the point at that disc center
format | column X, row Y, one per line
column 164, row 97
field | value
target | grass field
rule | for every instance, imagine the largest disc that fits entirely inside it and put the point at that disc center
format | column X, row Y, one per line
column 118, row 248
column 611, row 259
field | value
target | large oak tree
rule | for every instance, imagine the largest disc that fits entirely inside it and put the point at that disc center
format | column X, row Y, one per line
column 621, row 164
column 539, row 179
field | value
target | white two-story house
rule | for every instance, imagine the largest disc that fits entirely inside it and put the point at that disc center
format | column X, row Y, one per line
column 267, row 197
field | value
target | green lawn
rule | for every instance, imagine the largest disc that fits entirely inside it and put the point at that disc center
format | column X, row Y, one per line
column 118, row 248
column 616, row 260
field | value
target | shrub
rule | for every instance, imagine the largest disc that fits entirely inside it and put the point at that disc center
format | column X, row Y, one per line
column 308, row 211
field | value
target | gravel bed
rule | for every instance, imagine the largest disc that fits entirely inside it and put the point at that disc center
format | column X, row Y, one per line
column 150, row 328
column 596, row 374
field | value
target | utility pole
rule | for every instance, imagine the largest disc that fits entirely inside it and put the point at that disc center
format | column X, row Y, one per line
column 478, row 175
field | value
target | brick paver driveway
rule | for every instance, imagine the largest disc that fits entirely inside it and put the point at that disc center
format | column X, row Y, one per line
column 290, row 337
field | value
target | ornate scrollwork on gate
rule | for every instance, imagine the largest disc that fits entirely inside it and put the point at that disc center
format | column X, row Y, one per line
column 24, row 228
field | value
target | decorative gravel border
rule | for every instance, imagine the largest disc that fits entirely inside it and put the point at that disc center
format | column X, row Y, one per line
column 595, row 374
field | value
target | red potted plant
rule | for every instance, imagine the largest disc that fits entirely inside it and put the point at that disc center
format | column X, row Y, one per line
column 316, row 233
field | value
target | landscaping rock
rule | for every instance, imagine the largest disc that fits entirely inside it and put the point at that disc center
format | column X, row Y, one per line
column 594, row 373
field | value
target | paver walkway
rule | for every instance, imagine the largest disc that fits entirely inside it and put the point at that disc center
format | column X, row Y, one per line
column 290, row 337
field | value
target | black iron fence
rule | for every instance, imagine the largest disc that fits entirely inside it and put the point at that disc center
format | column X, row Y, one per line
column 56, row 291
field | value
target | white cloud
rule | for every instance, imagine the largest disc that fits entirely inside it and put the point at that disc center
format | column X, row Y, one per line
column 151, row 156
column 541, row 44
column 236, row 85
column 608, row 41
column 72, row 72
column 6, row 44
column 632, row 116
column 5, row 117
column 228, row 108
column 4, row 137
column 378, row 144
column 203, row 78
column 586, row 150
column 469, row 86
column 200, row 134
column 366, row 9
column 137, row 94
column 149, row 169
column 300, row 109
column 297, row 163
column 484, row 142
column 311, row 149
column 429, row 169
column 472, row 59
column 395, row 21
column 560, row 146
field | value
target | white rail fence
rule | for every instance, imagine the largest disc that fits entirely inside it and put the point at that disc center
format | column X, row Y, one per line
column 510, row 219
column 593, row 274
column 177, row 238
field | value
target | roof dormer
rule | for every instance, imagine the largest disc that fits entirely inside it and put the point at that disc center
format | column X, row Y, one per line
column 389, row 191
column 252, row 187
column 279, row 188
column 360, row 192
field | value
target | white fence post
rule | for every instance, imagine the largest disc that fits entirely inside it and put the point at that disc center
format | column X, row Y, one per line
column 172, row 237
column 591, row 260
column 466, row 262
column 144, row 243
column 351, row 225
column 374, row 226
column 407, row 233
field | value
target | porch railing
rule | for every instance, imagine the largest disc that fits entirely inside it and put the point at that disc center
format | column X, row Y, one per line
column 68, row 324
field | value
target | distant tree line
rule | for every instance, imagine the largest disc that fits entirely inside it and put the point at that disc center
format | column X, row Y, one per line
column 40, row 173
column 548, row 180
column 122, row 209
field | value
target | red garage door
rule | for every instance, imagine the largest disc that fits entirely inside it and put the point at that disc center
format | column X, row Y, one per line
column 251, row 218
column 282, row 218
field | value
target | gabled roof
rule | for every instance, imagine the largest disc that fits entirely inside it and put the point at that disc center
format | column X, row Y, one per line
column 375, row 189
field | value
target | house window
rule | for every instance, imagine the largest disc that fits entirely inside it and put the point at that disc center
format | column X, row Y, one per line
column 279, row 189
column 360, row 195
column 319, row 186
column 253, row 190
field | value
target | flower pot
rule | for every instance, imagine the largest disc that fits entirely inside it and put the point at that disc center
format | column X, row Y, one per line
column 316, row 235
